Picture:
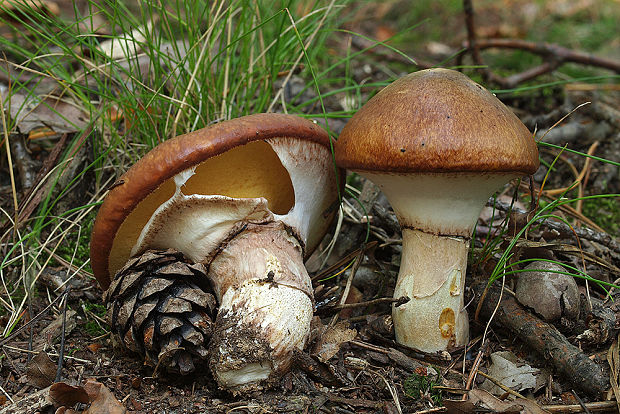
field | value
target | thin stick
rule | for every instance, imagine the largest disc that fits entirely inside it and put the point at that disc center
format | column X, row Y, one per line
column 61, row 351
column 432, row 410
column 399, row 301
column 581, row 403
column 83, row 361
column 502, row 386
column 347, row 288
column 7, row 395
column 575, row 408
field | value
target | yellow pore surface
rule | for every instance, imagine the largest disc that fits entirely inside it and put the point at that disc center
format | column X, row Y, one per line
column 248, row 171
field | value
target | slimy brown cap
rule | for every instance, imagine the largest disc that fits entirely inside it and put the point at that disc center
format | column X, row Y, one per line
column 436, row 120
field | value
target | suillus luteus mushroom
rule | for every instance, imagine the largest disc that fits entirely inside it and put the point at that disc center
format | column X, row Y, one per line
column 438, row 145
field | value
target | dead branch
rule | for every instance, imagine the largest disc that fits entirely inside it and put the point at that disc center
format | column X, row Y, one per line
column 568, row 360
column 575, row 408
column 552, row 51
column 555, row 55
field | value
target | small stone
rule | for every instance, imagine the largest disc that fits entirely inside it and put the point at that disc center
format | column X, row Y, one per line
column 550, row 294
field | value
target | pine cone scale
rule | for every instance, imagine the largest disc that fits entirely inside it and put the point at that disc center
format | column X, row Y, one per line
column 174, row 305
column 175, row 269
column 154, row 286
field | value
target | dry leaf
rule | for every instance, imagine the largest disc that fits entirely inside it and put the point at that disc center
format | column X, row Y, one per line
column 64, row 395
column 103, row 401
column 41, row 371
column 331, row 340
column 459, row 406
column 94, row 348
column 31, row 112
column 483, row 399
column 510, row 371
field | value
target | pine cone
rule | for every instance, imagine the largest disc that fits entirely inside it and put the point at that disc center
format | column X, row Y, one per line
column 160, row 306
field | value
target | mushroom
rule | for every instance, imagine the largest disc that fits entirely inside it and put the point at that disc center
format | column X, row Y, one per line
column 438, row 145
column 248, row 199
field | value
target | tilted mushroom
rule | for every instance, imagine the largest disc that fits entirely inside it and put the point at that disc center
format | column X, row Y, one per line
column 243, row 201
column 438, row 145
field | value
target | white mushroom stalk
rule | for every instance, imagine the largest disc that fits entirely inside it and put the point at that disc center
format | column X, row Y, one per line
column 266, row 305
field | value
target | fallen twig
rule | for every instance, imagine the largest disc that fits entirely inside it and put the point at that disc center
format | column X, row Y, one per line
column 555, row 55
column 581, row 403
column 576, row 408
column 474, row 369
column 558, row 53
column 545, row 339
column 52, row 354
column 502, row 386
column 335, row 308
column 61, row 351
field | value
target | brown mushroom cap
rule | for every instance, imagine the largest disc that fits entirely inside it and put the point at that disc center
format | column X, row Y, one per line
column 155, row 170
column 436, row 120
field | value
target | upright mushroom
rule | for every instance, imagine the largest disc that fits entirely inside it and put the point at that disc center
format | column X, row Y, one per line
column 438, row 145
column 244, row 201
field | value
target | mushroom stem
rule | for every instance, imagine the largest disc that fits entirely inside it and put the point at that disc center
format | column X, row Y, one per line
column 432, row 275
column 266, row 306
column 437, row 213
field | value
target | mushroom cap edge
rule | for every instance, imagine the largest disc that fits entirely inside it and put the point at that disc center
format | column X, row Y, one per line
column 178, row 154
